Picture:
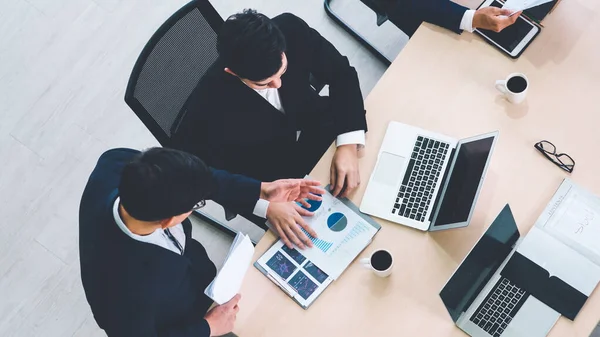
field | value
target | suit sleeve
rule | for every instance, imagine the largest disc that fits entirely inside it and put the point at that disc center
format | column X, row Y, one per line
column 330, row 67
column 443, row 13
column 139, row 323
column 235, row 192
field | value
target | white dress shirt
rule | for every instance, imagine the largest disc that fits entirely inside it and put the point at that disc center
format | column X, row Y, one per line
column 354, row 137
column 467, row 21
column 160, row 238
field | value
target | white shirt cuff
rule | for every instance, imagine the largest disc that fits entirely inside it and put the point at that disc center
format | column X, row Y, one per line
column 260, row 209
column 353, row 137
column 467, row 21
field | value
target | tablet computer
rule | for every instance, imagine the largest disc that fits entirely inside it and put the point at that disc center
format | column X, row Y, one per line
column 513, row 39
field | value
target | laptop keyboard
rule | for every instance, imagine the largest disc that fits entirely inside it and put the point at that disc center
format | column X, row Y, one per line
column 499, row 308
column 420, row 179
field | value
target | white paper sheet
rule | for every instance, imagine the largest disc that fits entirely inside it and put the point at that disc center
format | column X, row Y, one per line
column 519, row 5
column 579, row 221
column 573, row 217
column 229, row 279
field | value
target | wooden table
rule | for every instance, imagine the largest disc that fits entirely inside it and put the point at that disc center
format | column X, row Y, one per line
column 445, row 83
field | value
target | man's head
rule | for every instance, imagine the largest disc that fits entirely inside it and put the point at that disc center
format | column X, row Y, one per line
column 253, row 49
column 164, row 185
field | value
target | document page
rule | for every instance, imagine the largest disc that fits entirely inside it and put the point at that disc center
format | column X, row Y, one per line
column 519, row 5
column 574, row 218
column 229, row 279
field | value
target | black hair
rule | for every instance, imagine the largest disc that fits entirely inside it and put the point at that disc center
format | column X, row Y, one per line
column 160, row 183
column 251, row 45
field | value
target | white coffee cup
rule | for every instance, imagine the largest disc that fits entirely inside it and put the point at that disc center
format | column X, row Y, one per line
column 380, row 262
column 514, row 87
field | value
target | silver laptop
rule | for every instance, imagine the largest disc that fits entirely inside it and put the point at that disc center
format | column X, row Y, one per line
column 427, row 180
column 484, row 299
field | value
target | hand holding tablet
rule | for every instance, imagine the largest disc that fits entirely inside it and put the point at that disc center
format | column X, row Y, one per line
column 513, row 39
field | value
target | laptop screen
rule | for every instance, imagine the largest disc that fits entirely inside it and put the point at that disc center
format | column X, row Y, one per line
column 464, row 181
column 481, row 264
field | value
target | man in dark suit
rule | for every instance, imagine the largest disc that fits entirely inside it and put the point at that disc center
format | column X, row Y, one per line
column 142, row 272
column 246, row 112
column 409, row 14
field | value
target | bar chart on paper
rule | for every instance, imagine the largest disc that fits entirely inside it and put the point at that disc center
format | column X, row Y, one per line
column 321, row 244
column 356, row 231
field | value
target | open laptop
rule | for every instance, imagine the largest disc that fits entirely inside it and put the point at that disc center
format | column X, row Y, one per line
column 427, row 180
column 506, row 284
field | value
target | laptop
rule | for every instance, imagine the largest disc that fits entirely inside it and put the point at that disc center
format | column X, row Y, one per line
column 427, row 180
column 506, row 285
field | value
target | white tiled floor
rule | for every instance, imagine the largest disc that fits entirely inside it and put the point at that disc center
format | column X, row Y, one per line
column 64, row 65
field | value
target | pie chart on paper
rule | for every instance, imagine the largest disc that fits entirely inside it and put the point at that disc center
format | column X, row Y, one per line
column 314, row 205
column 337, row 222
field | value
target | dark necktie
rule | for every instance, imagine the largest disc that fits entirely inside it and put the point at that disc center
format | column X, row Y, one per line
column 174, row 240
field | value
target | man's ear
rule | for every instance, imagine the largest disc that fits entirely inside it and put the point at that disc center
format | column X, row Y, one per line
column 227, row 70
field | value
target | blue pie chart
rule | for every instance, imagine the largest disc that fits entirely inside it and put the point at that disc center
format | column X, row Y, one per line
column 314, row 205
column 337, row 222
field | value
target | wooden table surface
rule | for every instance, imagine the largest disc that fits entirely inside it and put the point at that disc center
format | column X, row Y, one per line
column 445, row 83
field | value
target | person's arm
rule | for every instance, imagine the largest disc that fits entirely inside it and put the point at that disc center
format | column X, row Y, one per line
column 443, row 13
column 409, row 14
column 236, row 192
column 446, row 14
column 243, row 194
column 326, row 63
column 217, row 321
column 330, row 67
column 139, row 322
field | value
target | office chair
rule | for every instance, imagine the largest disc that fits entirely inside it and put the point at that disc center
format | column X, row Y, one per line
column 380, row 17
column 169, row 68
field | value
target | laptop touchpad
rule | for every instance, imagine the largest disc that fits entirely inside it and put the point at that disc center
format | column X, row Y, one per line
column 389, row 169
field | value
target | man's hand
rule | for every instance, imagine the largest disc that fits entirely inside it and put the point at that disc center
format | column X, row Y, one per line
column 344, row 170
column 222, row 318
column 285, row 190
column 286, row 218
column 494, row 18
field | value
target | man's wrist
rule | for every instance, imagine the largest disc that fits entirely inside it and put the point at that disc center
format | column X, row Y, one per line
column 263, row 190
column 349, row 147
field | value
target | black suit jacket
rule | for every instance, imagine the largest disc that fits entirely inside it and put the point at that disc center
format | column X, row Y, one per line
column 232, row 127
column 409, row 14
column 140, row 289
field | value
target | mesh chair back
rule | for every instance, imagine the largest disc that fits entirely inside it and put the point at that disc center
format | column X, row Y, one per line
column 171, row 65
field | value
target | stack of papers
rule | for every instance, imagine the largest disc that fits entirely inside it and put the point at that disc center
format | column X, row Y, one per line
column 519, row 5
column 229, row 279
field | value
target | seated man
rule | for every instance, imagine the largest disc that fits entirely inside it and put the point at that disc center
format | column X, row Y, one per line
column 142, row 272
column 247, row 110
column 409, row 14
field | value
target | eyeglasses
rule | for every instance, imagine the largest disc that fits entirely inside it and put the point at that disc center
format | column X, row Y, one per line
column 199, row 205
column 562, row 160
